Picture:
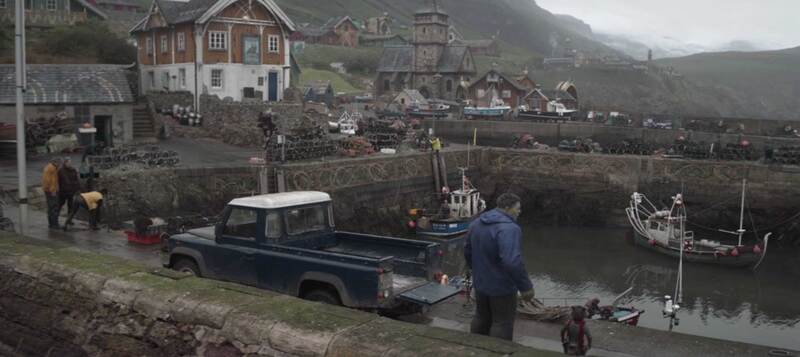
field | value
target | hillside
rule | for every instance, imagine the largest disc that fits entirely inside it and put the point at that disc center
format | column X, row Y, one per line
column 767, row 83
column 518, row 23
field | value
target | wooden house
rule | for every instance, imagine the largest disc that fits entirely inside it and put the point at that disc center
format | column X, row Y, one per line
column 228, row 48
column 49, row 13
column 496, row 85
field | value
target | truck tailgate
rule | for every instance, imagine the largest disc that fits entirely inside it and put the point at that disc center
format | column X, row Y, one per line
column 429, row 294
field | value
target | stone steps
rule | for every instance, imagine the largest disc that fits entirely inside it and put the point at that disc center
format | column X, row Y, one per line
column 142, row 124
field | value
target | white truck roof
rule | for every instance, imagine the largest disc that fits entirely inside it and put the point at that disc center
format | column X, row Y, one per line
column 282, row 200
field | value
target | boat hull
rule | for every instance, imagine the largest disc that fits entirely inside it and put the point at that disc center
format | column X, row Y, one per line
column 745, row 259
column 444, row 228
column 486, row 112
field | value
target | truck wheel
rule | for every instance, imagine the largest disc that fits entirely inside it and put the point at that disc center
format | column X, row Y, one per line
column 184, row 265
column 323, row 296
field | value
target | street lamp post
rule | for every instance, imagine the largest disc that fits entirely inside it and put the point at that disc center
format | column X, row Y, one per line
column 19, row 48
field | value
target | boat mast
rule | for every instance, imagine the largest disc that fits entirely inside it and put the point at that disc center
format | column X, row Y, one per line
column 741, row 214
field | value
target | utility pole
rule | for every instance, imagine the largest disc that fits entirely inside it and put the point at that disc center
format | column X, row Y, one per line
column 19, row 48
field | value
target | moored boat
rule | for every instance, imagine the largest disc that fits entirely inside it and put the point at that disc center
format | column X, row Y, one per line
column 663, row 231
column 458, row 209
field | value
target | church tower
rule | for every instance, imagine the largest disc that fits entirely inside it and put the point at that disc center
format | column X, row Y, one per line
column 431, row 29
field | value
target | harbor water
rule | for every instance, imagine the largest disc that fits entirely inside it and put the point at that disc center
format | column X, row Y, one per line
column 571, row 265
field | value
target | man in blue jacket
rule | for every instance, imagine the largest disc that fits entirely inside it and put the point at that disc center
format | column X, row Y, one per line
column 493, row 252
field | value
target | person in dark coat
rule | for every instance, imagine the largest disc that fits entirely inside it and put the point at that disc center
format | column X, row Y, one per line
column 493, row 252
column 68, row 183
column 50, row 189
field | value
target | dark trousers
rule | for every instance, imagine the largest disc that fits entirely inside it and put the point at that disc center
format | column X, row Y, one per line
column 52, row 210
column 67, row 199
column 494, row 316
column 77, row 203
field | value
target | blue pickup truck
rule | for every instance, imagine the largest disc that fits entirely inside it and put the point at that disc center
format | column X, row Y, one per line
column 286, row 242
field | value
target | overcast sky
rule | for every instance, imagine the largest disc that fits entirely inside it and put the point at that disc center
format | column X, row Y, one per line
column 771, row 23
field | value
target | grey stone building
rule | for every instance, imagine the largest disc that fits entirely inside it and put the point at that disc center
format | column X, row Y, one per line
column 97, row 94
column 431, row 65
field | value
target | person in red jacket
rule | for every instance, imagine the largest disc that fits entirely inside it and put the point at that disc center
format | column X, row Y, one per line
column 575, row 335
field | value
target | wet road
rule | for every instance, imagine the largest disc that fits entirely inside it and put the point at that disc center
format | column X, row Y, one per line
column 760, row 307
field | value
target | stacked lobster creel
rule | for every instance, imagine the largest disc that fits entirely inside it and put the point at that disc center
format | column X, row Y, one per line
column 385, row 133
column 631, row 147
column 786, row 155
column 151, row 157
column 38, row 131
column 585, row 145
column 302, row 144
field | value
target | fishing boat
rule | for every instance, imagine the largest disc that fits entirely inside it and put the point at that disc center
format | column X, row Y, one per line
column 663, row 231
column 555, row 112
column 496, row 108
column 458, row 209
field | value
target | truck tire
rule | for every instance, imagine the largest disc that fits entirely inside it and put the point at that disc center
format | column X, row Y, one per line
column 324, row 296
column 186, row 265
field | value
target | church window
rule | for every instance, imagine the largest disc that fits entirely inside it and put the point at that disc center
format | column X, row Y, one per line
column 449, row 85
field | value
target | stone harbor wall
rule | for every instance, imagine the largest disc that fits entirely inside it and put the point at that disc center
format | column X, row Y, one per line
column 165, row 192
column 57, row 301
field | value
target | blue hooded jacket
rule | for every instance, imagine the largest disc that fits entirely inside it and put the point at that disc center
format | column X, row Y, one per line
column 493, row 252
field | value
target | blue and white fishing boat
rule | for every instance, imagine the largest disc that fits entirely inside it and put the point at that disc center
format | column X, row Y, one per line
column 458, row 210
column 496, row 108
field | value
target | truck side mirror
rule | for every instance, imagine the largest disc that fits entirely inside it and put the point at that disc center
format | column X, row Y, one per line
column 218, row 229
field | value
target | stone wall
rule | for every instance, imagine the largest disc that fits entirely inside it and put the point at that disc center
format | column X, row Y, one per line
column 57, row 301
column 580, row 189
column 165, row 192
column 165, row 100
column 500, row 133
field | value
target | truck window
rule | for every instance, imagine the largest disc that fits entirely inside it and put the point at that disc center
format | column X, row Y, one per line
column 241, row 223
column 274, row 226
column 309, row 219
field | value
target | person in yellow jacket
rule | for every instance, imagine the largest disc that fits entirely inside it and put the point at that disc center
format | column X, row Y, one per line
column 436, row 144
column 50, row 188
column 91, row 202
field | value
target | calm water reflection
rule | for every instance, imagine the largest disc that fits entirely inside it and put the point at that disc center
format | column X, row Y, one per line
column 760, row 307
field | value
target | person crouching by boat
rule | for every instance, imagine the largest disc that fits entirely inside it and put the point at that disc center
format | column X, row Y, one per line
column 91, row 202
column 575, row 336
column 493, row 252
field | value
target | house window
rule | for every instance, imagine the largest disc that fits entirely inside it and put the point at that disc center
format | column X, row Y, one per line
column 148, row 45
column 216, row 78
column 387, row 86
column 481, row 93
column 273, row 45
column 449, row 85
column 165, row 80
column 506, row 94
column 51, row 5
column 251, row 48
column 181, row 41
column 28, row 4
column 182, row 77
column 3, row 4
column 152, row 77
column 260, row 81
column 164, row 44
column 217, row 40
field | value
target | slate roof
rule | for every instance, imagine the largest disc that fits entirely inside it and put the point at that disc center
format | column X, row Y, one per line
column 553, row 94
column 176, row 12
column 69, row 84
column 507, row 79
column 451, row 59
column 415, row 96
column 396, row 59
column 93, row 8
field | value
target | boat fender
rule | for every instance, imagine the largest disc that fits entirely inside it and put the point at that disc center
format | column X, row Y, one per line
column 652, row 242
column 735, row 252
column 757, row 249
column 412, row 224
column 444, row 279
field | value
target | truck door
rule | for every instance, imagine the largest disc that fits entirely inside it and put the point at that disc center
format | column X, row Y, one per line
column 272, row 270
column 234, row 258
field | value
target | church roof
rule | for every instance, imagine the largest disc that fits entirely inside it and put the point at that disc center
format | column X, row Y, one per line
column 451, row 59
column 396, row 59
